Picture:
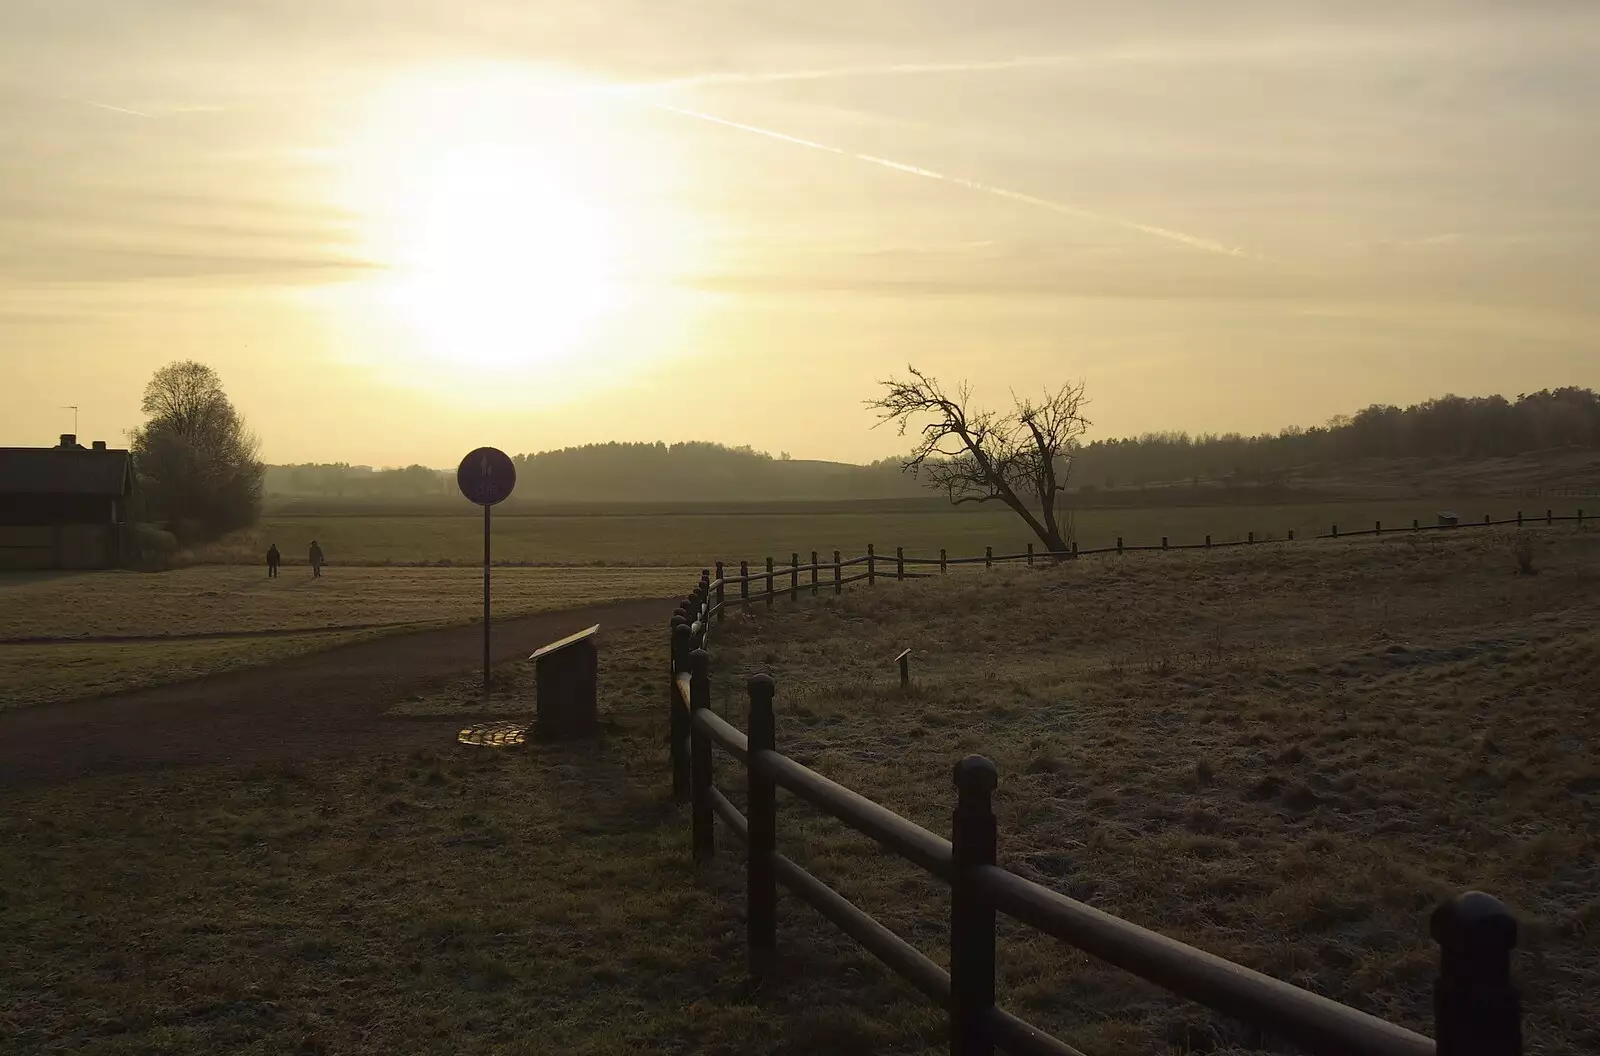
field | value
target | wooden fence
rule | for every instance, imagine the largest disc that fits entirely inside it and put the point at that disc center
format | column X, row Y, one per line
column 1476, row 1009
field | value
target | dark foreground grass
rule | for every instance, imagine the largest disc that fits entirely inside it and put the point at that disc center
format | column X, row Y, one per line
column 1283, row 756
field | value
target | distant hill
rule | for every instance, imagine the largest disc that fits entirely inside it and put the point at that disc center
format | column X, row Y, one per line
column 1451, row 445
column 616, row 472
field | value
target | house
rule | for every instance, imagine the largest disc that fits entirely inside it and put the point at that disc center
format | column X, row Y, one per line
column 64, row 506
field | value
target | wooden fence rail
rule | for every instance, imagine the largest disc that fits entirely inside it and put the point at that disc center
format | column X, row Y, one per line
column 1476, row 1009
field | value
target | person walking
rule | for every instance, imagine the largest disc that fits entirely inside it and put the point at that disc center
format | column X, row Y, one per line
column 316, row 560
column 273, row 560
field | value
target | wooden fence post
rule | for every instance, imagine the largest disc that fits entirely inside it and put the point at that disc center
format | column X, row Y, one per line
column 872, row 566
column 1549, row 517
column 761, row 796
column 794, row 577
column 677, row 714
column 1208, row 542
column 1377, row 527
column 988, row 557
column 944, row 561
column 1336, row 531
column 1163, row 542
column 1119, row 544
column 1250, row 537
column 838, row 574
column 1291, row 535
column 1476, row 1010
column 813, row 573
column 770, row 583
column 1519, row 518
column 722, row 592
column 700, row 757
column 1580, row 515
column 972, row 922
column 1074, row 549
column 899, row 563
column 1030, row 553
column 904, row 660
column 744, row 585
column 1486, row 519
column 1416, row 525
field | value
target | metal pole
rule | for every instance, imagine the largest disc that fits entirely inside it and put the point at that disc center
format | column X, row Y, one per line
column 486, row 510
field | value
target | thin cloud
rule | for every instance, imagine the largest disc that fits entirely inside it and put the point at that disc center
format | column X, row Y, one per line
column 1020, row 62
column 1181, row 237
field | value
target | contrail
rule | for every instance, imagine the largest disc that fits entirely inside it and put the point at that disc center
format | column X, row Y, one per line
column 1192, row 241
column 114, row 109
column 1020, row 62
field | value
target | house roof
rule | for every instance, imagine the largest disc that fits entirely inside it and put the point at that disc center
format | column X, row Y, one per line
column 64, row 471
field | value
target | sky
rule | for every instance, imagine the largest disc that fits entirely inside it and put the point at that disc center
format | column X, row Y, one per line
column 402, row 229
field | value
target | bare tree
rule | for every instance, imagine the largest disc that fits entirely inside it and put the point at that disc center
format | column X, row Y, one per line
column 197, row 462
column 1022, row 458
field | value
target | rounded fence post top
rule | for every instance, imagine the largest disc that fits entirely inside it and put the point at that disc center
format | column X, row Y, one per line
column 762, row 685
column 1474, row 920
column 976, row 775
column 681, row 630
column 700, row 657
column 679, row 619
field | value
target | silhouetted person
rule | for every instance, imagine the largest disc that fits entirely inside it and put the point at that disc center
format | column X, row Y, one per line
column 316, row 560
column 273, row 560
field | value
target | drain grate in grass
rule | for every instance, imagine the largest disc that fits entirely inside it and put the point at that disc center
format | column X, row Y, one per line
column 495, row 735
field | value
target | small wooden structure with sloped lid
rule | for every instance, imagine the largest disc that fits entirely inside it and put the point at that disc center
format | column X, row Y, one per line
column 566, row 680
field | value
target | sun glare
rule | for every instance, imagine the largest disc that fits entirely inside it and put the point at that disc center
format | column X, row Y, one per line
column 508, row 208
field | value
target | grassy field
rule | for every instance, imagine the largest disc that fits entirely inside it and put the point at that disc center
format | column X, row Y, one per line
column 1282, row 755
column 198, row 621
column 733, row 534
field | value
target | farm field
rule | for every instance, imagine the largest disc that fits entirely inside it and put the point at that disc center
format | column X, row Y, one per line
column 733, row 534
column 198, row 621
column 1281, row 755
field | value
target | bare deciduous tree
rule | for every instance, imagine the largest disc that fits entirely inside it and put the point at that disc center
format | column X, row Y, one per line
column 1022, row 458
column 196, row 460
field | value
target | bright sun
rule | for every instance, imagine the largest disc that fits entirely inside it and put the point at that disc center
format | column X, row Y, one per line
column 504, row 205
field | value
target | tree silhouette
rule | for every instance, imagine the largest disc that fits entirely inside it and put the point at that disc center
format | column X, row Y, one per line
column 1022, row 458
column 195, row 460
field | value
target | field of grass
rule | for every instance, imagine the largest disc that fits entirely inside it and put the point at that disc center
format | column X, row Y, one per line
column 46, row 674
column 1282, row 755
column 218, row 618
column 732, row 534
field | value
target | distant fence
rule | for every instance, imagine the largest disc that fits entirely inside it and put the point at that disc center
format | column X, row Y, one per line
column 901, row 566
column 1477, row 1012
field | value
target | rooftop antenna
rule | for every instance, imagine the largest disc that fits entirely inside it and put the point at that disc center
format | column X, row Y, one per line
column 74, row 409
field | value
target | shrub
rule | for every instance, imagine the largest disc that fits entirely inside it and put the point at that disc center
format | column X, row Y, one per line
column 1522, row 550
column 153, row 548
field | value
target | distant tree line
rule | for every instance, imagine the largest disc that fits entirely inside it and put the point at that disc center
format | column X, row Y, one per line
column 1449, row 427
column 342, row 480
column 699, row 470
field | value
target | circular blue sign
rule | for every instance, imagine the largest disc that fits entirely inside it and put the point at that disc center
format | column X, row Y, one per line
column 486, row 476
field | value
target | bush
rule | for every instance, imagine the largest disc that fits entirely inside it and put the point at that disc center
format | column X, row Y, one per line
column 153, row 547
column 1522, row 550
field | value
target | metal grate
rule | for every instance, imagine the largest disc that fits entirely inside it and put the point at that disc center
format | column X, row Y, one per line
column 495, row 735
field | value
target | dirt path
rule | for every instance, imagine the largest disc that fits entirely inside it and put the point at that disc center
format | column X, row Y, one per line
column 324, row 704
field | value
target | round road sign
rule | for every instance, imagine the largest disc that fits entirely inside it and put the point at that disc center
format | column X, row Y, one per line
column 486, row 476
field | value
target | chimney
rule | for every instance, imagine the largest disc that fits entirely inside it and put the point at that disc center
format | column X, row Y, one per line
column 69, row 440
column 99, row 445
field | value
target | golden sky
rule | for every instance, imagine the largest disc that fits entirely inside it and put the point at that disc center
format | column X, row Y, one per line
column 403, row 229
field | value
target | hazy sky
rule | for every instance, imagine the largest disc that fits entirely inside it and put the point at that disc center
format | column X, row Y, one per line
column 401, row 229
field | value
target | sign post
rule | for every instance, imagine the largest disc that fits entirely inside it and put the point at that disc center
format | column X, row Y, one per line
column 486, row 476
